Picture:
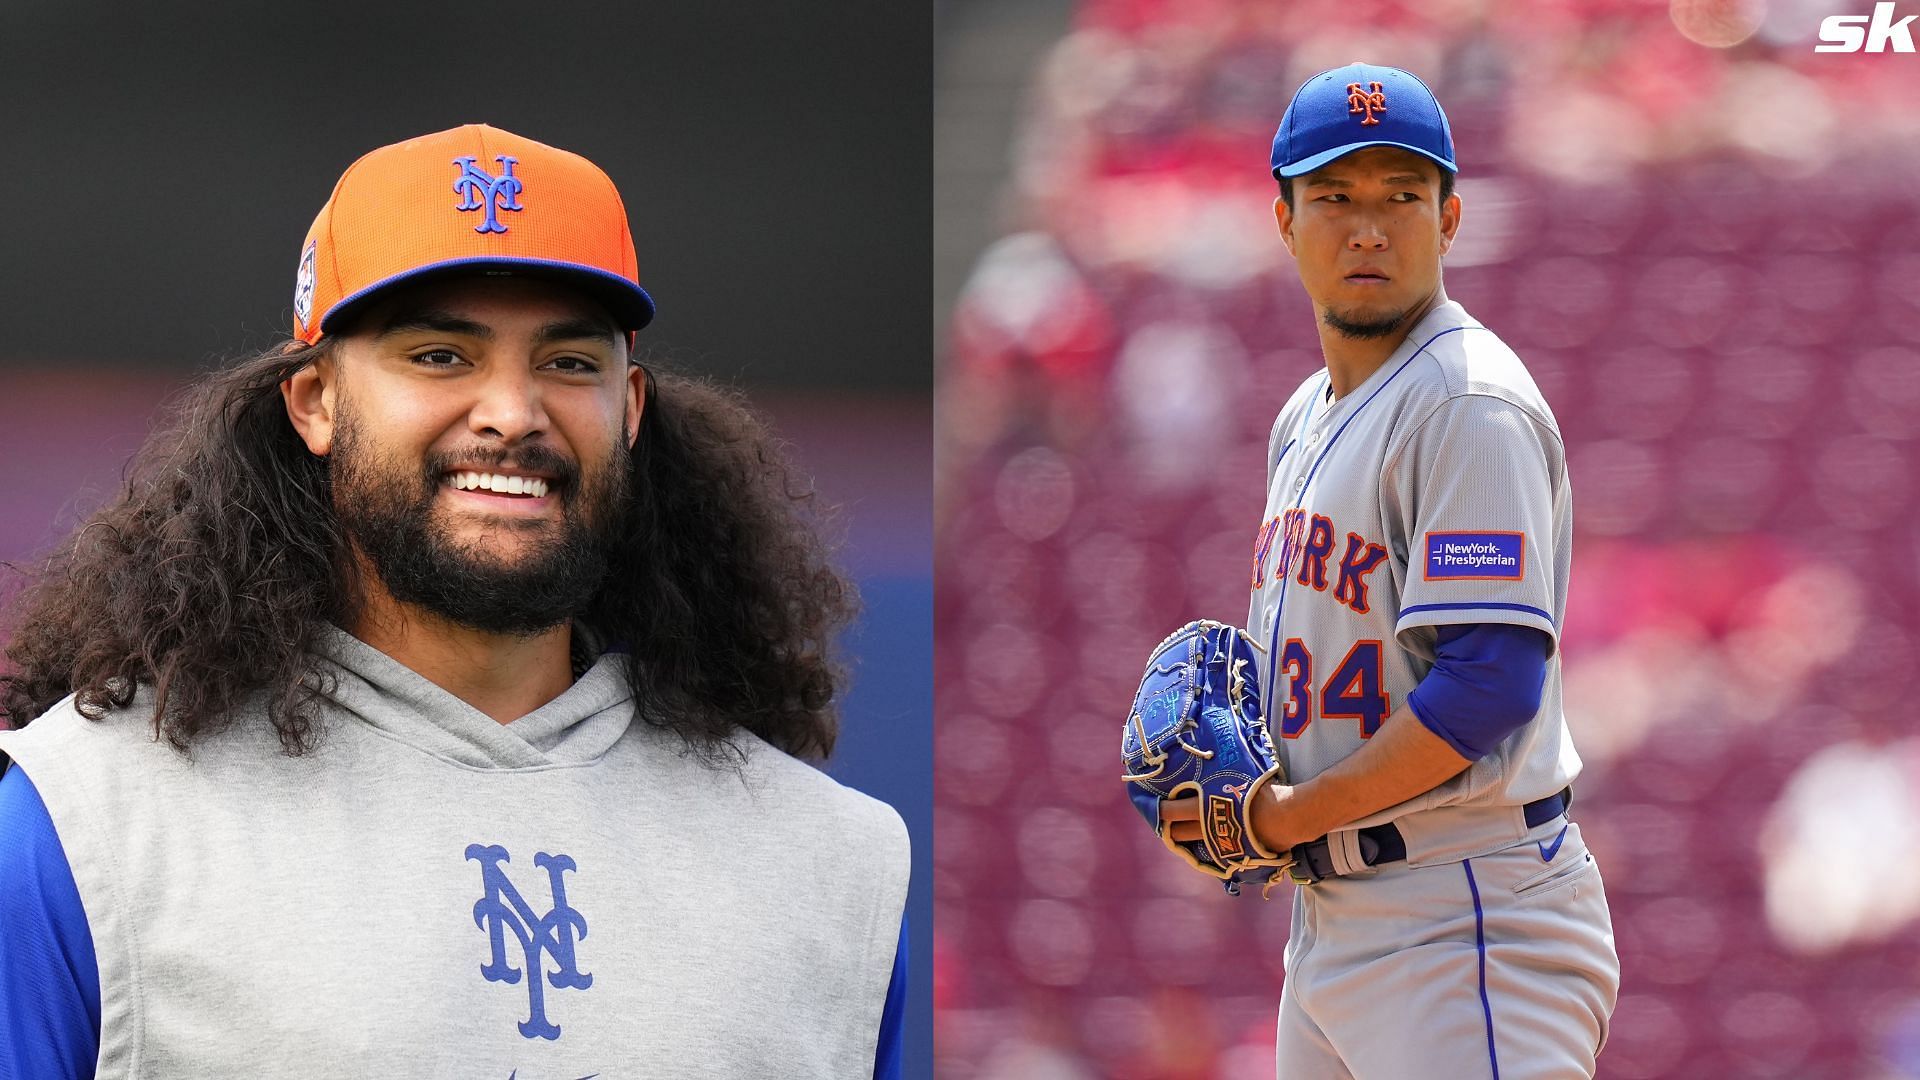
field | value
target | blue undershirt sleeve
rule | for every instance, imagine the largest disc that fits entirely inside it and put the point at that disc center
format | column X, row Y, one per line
column 1485, row 683
column 886, row 1055
column 49, row 981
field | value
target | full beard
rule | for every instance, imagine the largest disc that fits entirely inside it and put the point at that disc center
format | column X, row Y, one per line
column 1364, row 326
column 386, row 509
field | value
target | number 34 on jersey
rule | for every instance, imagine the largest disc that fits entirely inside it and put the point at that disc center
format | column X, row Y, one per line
column 1353, row 688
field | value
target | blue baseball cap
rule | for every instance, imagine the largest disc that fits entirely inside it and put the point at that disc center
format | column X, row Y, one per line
column 1337, row 112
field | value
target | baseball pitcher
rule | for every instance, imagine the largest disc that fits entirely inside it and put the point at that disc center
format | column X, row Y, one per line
column 1395, row 746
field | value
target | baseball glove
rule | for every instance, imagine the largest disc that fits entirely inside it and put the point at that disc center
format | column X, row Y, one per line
column 1196, row 726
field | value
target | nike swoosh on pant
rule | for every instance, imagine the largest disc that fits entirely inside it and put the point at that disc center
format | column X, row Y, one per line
column 1547, row 853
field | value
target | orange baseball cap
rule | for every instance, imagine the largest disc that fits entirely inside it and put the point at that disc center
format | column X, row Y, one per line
column 475, row 199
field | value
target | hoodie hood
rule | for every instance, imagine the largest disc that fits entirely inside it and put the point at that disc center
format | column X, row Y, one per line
column 576, row 728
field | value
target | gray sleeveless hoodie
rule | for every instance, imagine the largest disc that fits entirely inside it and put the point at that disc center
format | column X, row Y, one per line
column 430, row 893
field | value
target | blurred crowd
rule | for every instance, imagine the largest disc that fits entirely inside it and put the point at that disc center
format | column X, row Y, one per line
column 1703, row 238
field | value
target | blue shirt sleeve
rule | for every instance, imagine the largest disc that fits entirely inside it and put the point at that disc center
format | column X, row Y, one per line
column 886, row 1055
column 49, row 981
column 1485, row 683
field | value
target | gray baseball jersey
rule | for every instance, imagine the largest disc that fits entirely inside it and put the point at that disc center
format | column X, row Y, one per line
column 1434, row 493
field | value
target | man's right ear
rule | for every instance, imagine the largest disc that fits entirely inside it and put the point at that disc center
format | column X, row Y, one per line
column 310, row 399
column 1283, row 216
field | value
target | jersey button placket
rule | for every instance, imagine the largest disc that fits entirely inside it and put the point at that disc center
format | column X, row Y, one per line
column 1313, row 444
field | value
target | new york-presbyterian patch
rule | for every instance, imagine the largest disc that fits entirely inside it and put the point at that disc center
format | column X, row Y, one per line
column 1476, row 556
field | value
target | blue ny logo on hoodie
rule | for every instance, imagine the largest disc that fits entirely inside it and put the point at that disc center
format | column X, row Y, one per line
column 504, row 911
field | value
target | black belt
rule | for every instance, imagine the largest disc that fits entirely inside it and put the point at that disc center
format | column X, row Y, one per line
column 1380, row 844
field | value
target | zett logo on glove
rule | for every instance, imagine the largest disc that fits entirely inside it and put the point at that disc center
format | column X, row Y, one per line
column 1225, row 825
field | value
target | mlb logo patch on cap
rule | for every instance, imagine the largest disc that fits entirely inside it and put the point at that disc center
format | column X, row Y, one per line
column 303, row 289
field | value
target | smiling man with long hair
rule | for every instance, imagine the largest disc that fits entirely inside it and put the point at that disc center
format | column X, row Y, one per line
column 432, row 700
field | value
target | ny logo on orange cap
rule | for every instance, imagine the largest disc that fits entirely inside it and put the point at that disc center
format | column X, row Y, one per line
column 482, row 190
column 1366, row 102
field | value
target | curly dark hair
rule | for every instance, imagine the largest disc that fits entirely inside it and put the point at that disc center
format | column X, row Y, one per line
column 206, row 577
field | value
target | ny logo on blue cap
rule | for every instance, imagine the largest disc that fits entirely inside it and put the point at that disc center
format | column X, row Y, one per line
column 1318, row 126
column 482, row 190
column 1366, row 102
